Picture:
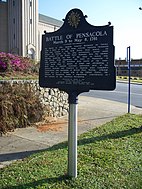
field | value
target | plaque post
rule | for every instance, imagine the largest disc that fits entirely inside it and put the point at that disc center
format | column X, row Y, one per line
column 72, row 136
column 77, row 58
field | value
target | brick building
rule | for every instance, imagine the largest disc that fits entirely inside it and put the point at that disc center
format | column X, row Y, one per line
column 122, row 67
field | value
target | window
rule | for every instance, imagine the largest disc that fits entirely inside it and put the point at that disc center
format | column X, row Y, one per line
column 13, row 20
column 14, row 36
column 30, row 21
column 13, row 2
column 30, row 3
column 31, row 53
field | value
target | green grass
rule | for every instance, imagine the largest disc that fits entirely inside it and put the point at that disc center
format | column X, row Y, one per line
column 109, row 157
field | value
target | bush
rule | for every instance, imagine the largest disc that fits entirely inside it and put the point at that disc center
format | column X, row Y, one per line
column 19, row 107
column 125, row 77
column 10, row 62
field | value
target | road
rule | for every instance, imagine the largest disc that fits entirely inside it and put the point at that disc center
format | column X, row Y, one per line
column 120, row 94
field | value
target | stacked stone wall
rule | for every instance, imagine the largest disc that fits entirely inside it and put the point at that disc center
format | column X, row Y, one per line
column 56, row 100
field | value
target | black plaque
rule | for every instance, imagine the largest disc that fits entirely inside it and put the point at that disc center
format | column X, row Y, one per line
column 78, row 57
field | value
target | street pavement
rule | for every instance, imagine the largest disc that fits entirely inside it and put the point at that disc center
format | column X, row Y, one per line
column 92, row 112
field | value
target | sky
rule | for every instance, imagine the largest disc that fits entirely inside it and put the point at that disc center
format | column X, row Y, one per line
column 124, row 15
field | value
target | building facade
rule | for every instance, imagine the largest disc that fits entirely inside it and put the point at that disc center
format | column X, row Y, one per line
column 21, row 27
column 122, row 68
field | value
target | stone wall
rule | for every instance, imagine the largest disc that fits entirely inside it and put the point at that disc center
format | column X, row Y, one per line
column 56, row 100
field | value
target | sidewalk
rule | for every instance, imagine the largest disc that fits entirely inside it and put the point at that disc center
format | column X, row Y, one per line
column 92, row 112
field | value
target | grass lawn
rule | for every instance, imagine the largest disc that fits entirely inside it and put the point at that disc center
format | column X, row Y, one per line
column 109, row 157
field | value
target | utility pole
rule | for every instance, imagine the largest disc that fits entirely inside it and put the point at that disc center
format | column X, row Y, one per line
column 129, row 74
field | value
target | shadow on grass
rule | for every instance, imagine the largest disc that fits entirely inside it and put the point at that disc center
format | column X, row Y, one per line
column 39, row 182
column 116, row 135
column 63, row 145
column 120, row 134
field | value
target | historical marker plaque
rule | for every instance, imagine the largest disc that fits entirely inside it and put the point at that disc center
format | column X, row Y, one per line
column 78, row 57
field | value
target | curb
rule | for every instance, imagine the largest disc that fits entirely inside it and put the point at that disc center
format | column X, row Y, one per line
column 135, row 83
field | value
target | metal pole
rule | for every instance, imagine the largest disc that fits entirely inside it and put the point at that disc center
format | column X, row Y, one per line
column 72, row 138
column 129, row 75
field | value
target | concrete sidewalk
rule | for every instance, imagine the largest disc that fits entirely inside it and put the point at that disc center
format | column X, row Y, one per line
column 92, row 112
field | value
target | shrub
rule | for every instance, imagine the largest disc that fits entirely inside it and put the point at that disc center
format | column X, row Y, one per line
column 124, row 77
column 10, row 62
column 19, row 107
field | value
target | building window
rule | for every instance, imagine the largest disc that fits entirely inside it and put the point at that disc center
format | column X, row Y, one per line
column 54, row 28
column 14, row 36
column 31, row 53
column 13, row 2
column 13, row 20
column 30, row 21
column 30, row 3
